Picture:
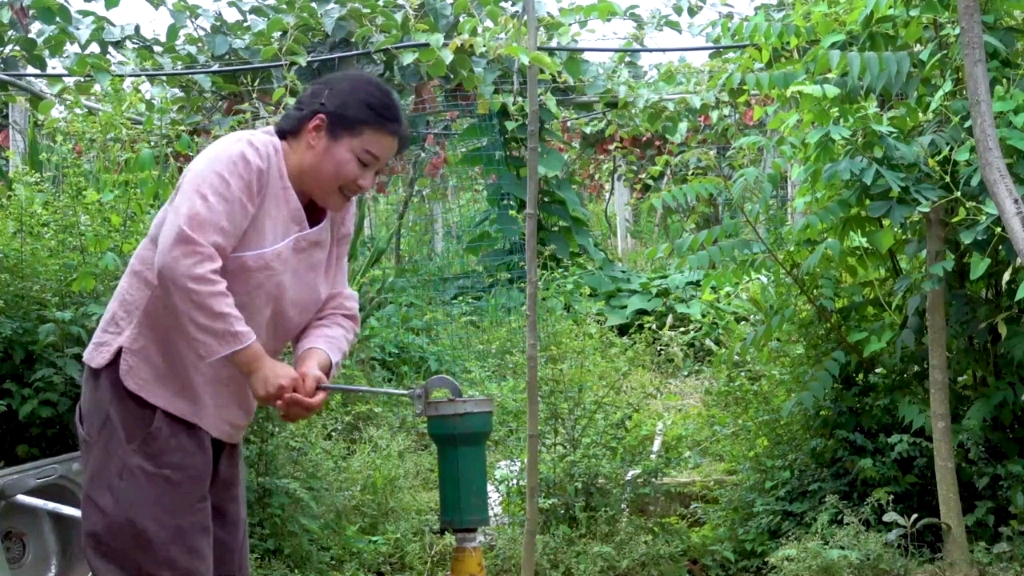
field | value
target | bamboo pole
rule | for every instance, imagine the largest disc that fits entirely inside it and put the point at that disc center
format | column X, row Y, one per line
column 529, row 560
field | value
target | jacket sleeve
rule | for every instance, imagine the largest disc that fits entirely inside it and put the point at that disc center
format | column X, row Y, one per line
column 336, row 324
column 211, row 208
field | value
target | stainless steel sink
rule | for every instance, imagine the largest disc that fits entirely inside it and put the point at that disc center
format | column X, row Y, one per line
column 39, row 531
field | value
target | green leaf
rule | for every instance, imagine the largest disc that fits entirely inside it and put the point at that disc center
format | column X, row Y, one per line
column 435, row 40
column 276, row 24
column 103, row 77
column 427, row 55
column 440, row 11
column 550, row 162
column 832, row 39
column 494, row 14
column 544, row 61
column 615, row 316
column 1020, row 292
column 1013, row 137
column 574, row 68
column 171, row 36
column 83, row 282
column 874, row 346
column 871, row 66
column 853, row 60
column 145, row 161
column 1003, row 105
column 46, row 15
column 889, row 66
column 962, row 153
column 437, row 68
column 979, row 264
column 330, row 18
column 932, row 8
column 642, row 301
column 111, row 4
column 819, row 91
column 833, row 59
column 184, row 144
column 558, row 241
column 46, row 106
column 881, row 239
column 879, row 207
column 219, row 44
column 64, row 13
column 995, row 43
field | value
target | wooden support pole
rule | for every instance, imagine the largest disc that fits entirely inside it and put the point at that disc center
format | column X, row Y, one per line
column 623, row 216
column 529, row 560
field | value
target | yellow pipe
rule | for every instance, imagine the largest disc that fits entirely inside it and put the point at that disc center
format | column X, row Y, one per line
column 468, row 557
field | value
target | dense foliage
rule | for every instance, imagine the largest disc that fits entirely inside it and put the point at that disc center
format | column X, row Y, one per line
column 767, row 329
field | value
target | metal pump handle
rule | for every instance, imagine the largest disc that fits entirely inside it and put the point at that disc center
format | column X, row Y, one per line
column 419, row 395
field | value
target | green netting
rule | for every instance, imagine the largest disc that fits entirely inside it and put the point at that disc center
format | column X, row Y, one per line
column 451, row 248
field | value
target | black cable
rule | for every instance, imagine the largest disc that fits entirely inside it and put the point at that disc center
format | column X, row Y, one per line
column 587, row 115
column 342, row 55
column 220, row 70
column 642, row 48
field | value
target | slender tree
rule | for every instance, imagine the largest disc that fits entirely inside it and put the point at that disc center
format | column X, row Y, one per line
column 954, row 532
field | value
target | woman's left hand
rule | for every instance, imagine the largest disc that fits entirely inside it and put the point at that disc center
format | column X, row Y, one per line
column 306, row 401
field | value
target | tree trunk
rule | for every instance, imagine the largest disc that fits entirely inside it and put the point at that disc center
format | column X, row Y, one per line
column 954, row 533
column 993, row 166
column 529, row 559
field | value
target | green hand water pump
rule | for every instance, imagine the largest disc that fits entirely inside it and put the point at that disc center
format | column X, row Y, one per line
column 459, row 428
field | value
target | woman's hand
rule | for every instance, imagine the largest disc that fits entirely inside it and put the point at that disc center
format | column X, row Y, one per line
column 269, row 379
column 306, row 400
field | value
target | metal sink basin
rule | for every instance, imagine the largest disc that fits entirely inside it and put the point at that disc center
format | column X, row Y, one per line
column 38, row 538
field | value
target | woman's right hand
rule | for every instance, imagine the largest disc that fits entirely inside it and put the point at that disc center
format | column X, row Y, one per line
column 272, row 380
column 269, row 379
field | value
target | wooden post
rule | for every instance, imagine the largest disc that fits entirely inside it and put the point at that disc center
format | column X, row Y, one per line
column 438, row 227
column 623, row 216
column 18, row 130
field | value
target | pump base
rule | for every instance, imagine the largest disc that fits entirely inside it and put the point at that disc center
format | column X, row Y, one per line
column 468, row 556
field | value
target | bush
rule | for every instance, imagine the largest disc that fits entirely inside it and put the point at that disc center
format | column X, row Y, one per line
column 72, row 214
column 847, row 549
column 350, row 493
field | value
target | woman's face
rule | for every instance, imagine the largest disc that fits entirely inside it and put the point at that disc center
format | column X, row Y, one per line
column 339, row 170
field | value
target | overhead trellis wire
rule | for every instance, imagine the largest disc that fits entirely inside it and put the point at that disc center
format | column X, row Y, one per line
column 353, row 54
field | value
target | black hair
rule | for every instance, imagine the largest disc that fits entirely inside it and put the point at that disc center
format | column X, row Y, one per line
column 352, row 101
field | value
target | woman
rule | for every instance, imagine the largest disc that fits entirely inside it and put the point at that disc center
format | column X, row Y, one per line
column 248, row 255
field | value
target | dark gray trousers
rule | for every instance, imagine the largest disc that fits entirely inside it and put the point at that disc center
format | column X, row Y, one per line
column 160, row 495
